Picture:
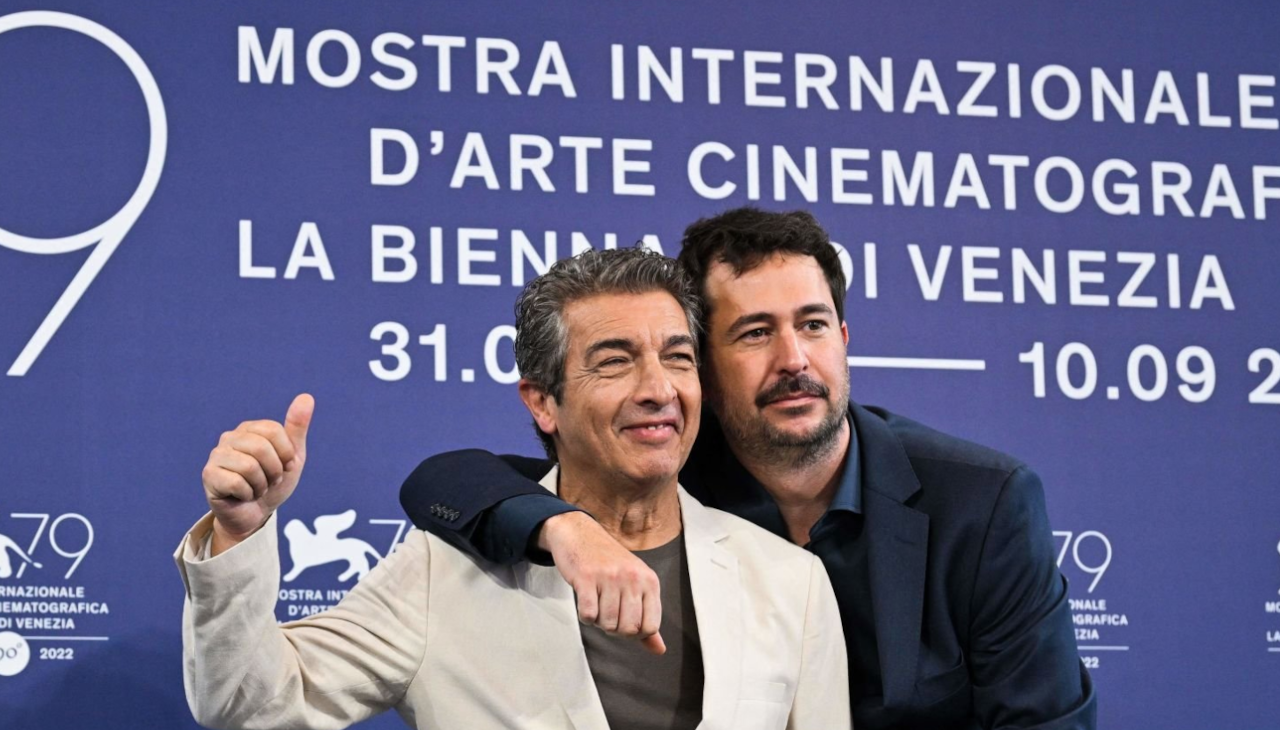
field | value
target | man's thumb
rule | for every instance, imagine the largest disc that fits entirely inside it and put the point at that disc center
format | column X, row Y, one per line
column 298, row 420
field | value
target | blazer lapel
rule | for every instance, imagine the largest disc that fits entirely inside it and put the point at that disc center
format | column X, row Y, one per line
column 717, row 601
column 551, row 622
column 897, row 553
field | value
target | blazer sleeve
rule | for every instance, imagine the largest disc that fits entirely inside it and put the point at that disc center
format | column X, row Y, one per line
column 243, row 670
column 822, row 693
column 485, row 505
column 1026, row 668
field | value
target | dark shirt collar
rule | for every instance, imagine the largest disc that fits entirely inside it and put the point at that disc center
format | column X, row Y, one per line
column 848, row 496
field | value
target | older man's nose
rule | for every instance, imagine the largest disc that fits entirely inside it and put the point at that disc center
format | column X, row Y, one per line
column 654, row 385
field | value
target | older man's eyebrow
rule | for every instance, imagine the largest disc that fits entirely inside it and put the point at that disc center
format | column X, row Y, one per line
column 614, row 343
column 679, row 340
column 746, row 320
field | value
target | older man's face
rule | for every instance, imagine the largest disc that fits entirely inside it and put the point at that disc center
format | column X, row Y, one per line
column 631, row 400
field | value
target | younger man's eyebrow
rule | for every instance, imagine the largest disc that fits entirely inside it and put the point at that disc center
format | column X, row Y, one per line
column 749, row 319
column 817, row 308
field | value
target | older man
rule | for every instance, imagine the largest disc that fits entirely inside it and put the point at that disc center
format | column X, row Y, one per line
column 607, row 346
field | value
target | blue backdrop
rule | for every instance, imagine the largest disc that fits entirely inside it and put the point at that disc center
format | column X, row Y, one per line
column 1060, row 221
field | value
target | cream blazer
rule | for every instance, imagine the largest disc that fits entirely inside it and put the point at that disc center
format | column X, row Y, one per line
column 452, row 644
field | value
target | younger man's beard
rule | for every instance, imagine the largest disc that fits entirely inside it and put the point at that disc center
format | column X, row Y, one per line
column 752, row 433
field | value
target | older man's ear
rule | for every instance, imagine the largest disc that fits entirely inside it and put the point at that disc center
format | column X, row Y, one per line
column 540, row 404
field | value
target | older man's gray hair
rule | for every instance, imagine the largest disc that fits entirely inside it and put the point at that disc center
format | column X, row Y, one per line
column 542, row 338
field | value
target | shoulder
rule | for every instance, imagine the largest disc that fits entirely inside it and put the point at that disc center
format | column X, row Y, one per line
column 456, row 575
column 422, row 554
column 957, row 481
column 924, row 443
column 941, row 460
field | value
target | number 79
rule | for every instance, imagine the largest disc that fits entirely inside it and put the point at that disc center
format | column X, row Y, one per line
column 1073, row 545
column 76, row 555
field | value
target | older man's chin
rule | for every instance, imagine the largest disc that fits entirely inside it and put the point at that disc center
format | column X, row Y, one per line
column 655, row 469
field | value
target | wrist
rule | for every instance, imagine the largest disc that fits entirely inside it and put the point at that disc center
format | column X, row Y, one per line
column 225, row 538
column 555, row 529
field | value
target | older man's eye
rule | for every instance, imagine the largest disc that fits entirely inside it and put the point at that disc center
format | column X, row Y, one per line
column 755, row 334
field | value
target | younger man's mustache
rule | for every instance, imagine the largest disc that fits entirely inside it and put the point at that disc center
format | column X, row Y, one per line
column 790, row 385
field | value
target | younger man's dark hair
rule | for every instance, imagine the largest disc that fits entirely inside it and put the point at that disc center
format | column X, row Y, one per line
column 744, row 237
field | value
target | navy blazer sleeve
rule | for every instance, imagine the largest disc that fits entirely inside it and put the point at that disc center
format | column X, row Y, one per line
column 482, row 504
column 1026, row 669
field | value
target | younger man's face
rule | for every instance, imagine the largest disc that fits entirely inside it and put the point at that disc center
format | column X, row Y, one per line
column 777, row 373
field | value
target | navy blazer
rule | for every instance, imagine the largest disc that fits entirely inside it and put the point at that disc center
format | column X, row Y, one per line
column 972, row 620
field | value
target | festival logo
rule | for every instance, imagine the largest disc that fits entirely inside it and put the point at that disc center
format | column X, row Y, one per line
column 47, row 607
column 1101, row 624
column 309, row 549
column 323, row 559
column 8, row 546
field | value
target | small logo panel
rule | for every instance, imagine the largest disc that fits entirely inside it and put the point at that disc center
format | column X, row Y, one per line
column 15, row 653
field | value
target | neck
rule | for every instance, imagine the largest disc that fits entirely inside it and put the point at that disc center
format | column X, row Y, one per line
column 639, row 517
column 803, row 488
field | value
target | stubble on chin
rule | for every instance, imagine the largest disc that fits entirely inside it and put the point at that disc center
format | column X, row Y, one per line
column 750, row 431
column 754, row 434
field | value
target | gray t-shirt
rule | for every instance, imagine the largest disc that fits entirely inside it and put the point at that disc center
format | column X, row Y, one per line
column 641, row 691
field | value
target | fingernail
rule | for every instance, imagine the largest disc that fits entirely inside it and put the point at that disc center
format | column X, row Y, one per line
column 289, row 465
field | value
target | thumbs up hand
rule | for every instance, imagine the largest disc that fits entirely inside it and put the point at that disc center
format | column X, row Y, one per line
column 253, row 470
